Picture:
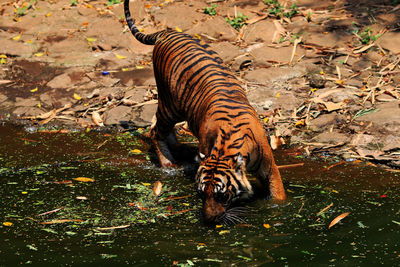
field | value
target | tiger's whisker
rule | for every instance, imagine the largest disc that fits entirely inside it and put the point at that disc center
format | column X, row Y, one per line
column 229, row 221
column 237, row 218
column 234, row 216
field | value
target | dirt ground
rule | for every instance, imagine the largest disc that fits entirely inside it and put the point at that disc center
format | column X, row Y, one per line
column 323, row 75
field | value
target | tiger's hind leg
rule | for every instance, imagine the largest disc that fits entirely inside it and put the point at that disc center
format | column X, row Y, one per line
column 163, row 136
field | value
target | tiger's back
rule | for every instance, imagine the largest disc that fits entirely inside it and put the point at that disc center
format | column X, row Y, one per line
column 192, row 79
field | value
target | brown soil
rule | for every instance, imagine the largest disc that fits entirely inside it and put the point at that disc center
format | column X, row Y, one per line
column 325, row 78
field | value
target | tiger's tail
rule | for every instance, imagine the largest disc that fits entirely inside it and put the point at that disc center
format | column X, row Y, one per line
column 148, row 39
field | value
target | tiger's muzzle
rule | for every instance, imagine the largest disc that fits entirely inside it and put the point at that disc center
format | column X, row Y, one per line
column 213, row 211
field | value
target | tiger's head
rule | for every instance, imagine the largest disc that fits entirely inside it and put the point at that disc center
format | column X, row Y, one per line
column 220, row 182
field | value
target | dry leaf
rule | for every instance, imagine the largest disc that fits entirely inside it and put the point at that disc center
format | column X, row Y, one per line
column 157, row 188
column 330, row 106
column 77, row 97
column 136, row 151
column 84, row 179
column 128, row 102
column 119, row 56
column 223, row 232
column 96, row 118
column 266, row 225
column 339, row 82
column 338, row 219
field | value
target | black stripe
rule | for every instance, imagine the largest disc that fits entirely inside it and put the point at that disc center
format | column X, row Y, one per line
column 239, row 114
column 240, row 125
column 237, row 146
column 222, row 119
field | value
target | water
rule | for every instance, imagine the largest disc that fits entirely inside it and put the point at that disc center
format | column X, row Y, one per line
column 116, row 219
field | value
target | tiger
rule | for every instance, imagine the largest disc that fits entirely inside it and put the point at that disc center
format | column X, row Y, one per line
column 195, row 86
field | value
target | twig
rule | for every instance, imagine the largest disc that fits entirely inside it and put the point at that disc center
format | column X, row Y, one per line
column 103, row 143
column 49, row 212
column 324, row 209
column 178, row 212
column 291, row 165
column 364, row 48
column 113, row 227
column 302, row 205
column 209, row 37
column 214, row 1
column 61, row 221
column 174, row 198
column 334, row 165
column 296, row 42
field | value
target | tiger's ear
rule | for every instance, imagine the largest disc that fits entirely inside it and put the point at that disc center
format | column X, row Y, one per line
column 199, row 157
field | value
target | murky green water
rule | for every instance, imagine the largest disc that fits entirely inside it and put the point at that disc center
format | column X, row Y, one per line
column 38, row 172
